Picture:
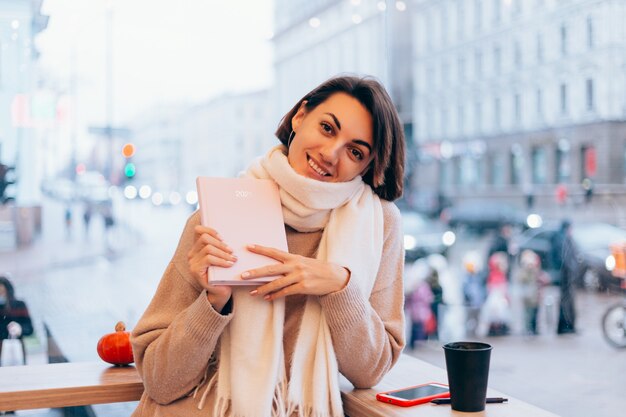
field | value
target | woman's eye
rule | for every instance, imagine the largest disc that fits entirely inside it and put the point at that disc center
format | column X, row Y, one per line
column 357, row 154
column 327, row 127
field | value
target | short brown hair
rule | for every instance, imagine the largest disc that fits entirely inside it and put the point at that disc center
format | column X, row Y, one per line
column 386, row 176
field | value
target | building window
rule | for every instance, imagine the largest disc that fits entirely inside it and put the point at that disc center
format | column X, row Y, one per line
column 539, row 104
column 478, row 64
column 497, row 10
column 496, row 113
column 460, row 15
column 517, row 99
column 563, row 95
column 589, row 161
column 478, row 14
column 497, row 60
column 517, row 7
column 563, row 40
column 517, row 165
column 496, row 176
column 461, row 120
column 443, row 24
column 444, row 123
column 478, row 116
column 539, row 164
column 590, row 40
column 517, row 54
column 539, row 48
column 563, row 170
column 461, row 68
column 589, row 93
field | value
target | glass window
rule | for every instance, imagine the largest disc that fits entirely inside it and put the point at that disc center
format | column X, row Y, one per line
column 497, row 10
column 517, row 165
column 478, row 64
column 589, row 94
column 461, row 68
column 590, row 39
column 563, row 163
column 539, row 48
column 563, row 98
column 563, row 39
column 478, row 116
column 517, row 54
column 517, row 99
column 461, row 120
column 497, row 58
column 539, row 104
column 497, row 170
column 496, row 113
column 478, row 14
column 539, row 165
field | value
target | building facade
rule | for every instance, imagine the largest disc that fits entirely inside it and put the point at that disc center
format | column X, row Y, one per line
column 316, row 39
column 513, row 97
column 20, row 110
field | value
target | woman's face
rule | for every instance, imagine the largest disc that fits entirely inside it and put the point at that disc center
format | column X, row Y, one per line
column 333, row 142
column 3, row 291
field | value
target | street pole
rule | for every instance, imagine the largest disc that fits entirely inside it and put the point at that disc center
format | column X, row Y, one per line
column 109, row 90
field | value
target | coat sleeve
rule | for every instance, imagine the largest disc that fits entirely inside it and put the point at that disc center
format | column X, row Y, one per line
column 178, row 333
column 21, row 315
column 371, row 331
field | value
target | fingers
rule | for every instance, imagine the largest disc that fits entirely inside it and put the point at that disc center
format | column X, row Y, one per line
column 267, row 271
column 277, row 254
column 280, row 287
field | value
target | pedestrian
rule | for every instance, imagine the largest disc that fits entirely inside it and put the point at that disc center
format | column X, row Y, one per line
column 15, row 321
column 500, row 243
column 564, row 259
column 530, row 278
column 474, row 291
column 87, row 218
column 68, row 221
column 339, row 165
column 495, row 317
column 418, row 305
column 561, row 194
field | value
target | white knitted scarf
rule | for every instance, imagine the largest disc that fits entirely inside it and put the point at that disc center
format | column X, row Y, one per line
column 251, row 377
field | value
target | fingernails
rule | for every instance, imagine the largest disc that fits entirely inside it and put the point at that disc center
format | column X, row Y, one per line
column 251, row 246
column 245, row 274
column 267, row 297
column 231, row 263
column 254, row 292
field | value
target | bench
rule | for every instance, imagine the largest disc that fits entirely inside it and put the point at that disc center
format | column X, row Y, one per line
column 85, row 383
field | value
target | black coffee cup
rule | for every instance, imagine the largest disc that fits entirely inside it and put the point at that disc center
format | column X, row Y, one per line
column 467, row 364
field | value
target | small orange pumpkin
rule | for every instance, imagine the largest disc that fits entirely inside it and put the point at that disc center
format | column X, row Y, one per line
column 115, row 347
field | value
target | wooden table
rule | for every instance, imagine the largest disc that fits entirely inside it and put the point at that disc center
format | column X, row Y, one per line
column 411, row 371
column 67, row 385
column 83, row 383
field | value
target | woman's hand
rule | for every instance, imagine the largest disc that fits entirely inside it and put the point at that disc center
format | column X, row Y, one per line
column 297, row 275
column 209, row 250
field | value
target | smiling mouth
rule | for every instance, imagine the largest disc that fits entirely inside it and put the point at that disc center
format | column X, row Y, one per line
column 317, row 168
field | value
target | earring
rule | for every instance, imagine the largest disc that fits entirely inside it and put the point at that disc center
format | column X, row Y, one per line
column 291, row 136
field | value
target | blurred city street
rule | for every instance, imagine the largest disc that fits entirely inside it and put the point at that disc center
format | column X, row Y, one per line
column 83, row 283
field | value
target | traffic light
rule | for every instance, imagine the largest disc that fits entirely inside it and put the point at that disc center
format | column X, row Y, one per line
column 128, row 150
column 5, row 182
column 129, row 170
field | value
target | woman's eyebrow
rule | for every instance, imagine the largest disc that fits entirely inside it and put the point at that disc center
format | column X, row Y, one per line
column 335, row 119
column 363, row 143
column 357, row 141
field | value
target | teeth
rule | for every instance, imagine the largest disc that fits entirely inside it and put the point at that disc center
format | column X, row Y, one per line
column 317, row 168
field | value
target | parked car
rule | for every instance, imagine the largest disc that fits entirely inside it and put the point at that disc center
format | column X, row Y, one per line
column 424, row 236
column 483, row 215
column 593, row 252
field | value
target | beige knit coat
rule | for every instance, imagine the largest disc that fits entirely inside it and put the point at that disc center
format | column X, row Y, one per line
column 177, row 335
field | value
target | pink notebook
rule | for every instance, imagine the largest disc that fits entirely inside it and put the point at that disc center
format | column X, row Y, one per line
column 243, row 211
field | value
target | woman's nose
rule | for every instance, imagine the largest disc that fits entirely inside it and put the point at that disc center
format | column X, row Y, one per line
column 330, row 151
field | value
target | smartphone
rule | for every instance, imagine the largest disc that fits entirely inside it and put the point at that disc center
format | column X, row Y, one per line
column 419, row 394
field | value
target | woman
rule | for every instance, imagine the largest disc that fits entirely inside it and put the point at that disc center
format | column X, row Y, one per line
column 277, row 349
column 15, row 320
